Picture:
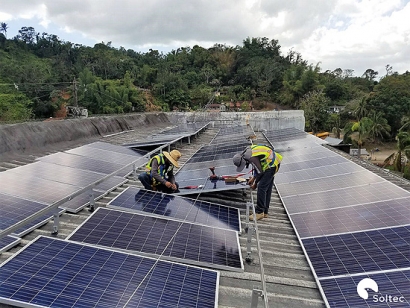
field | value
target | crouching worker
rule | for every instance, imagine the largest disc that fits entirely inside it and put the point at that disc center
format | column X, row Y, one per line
column 265, row 162
column 159, row 175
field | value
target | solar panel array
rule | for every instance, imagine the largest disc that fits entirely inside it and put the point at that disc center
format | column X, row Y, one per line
column 351, row 223
column 160, row 237
column 8, row 242
column 51, row 272
column 195, row 172
column 179, row 208
column 55, row 178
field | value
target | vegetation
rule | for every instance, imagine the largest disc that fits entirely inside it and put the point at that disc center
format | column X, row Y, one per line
column 40, row 74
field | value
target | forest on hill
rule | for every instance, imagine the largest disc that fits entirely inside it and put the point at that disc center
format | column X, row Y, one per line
column 40, row 74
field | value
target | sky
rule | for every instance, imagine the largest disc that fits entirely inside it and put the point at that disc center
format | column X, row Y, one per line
column 348, row 34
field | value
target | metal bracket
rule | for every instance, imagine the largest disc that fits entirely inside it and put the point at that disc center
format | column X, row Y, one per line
column 249, row 230
column 256, row 294
column 92, row 201
column 56, row 219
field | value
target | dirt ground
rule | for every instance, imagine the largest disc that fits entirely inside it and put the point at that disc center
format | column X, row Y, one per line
column 379, row 152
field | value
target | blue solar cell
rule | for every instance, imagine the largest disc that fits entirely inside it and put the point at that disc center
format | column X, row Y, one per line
column 180, row 208
column 14, row 210
column 393, row 290
column 174, row 240
column 8, row 242
column 390, row 213
column 57, row 273
column 353, row 253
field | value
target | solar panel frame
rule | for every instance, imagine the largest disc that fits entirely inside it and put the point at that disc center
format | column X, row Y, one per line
column 7, row 242
column 98, row 229
column 54, row 272
column 36, row 223
column 138, row 200
column 389, row 213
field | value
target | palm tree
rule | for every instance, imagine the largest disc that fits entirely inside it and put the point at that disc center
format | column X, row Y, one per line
column 405, row 122
column 361, row 110
column 403, row 147
column 3, row 28
column 380, row 126
column 362, row 129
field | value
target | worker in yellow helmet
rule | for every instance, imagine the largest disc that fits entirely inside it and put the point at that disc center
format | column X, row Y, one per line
column 266, row 163
column 159, row 172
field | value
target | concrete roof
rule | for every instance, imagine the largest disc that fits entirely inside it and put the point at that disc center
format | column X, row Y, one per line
column 288, row 277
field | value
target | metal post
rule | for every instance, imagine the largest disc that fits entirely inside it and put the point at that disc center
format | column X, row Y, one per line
column 134, row 171
column 56, row 218
column 255, row 297
column 92, row 201
column 249, row 231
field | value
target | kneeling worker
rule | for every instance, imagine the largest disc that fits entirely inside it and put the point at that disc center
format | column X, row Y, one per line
column 266, row 163
column 159, row 175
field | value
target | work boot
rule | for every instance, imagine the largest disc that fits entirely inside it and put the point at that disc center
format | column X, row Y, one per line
column 265, row 215
column 258, row 216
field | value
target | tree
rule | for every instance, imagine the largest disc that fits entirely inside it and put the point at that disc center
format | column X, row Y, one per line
column 363, row 130
column 3, row 28
column 379, row 127
column 403, row 147
column 315, row 105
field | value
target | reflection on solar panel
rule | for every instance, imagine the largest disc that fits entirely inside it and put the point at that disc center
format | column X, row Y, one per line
column 345, row 197
column 35, row 189
column 84, row 163
column 154, row 236
column 393, row 290
column 105, row 155
column 361, row 252
column 52, row 272
column 36, row 223
column 180, row 208
column 328, row 183
column 112, row 148
column 317, row 173
column 14, row 210
column 63, row 174
column 313, row 163
column 362, row 217
column 8, row 242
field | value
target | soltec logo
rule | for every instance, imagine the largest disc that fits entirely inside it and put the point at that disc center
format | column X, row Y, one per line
column 368, row 283
column 364, row 284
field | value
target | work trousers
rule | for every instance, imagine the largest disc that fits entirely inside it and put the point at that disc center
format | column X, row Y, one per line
column 264, row 193
column 146, row 180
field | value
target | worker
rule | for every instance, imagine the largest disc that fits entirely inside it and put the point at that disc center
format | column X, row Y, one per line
column 159, row 172
column 266, row 163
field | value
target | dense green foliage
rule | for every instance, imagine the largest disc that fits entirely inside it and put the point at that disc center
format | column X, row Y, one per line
column 39, row 73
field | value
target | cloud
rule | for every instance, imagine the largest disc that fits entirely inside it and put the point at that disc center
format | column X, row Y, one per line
column 349, row 34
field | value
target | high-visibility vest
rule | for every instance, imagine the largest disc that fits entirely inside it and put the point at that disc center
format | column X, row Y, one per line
column 270, row 157
column 161, row 165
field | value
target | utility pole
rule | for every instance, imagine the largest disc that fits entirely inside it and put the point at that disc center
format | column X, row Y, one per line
column 75, row 93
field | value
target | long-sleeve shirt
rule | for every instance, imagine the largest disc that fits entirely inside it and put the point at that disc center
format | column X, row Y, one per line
column 155, row 173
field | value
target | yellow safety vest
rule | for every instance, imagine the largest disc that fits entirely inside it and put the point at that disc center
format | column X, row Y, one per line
column 270, row 157
column 161, row 163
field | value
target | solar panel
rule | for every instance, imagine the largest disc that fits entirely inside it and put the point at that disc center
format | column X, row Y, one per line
column 359, row 252
column 15, row 209
column 328, row 183
column 36, row 223
column 313, row 163
column 85, row 163
column 105, row 155
column 81, row 201
column 392, row 290
column 361, row 217
column 317, row 173
column 154, row 236
column 344, row 197
column 7, row 242
column 183, row 209
column 63, row 174
column 55, row 273
column 113, row 148
column 35, row 189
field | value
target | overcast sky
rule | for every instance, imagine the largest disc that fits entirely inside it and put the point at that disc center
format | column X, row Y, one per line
column 347, row 34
